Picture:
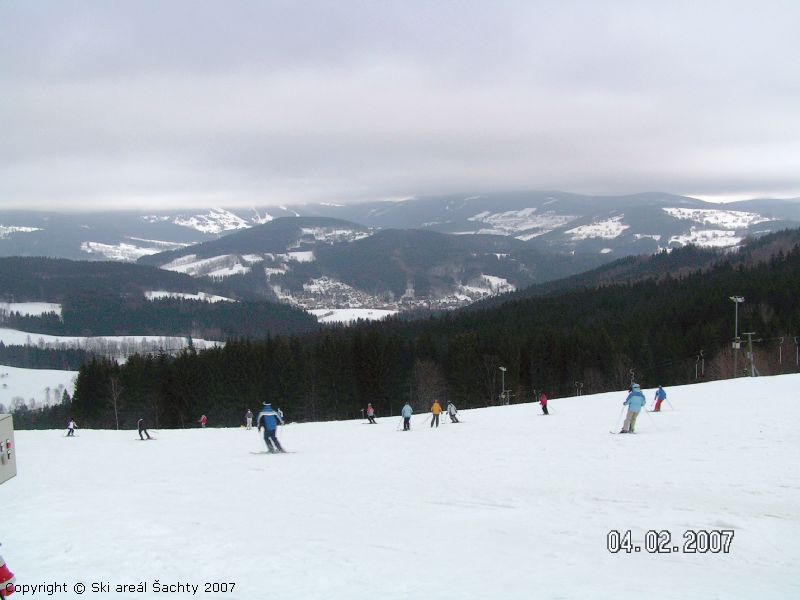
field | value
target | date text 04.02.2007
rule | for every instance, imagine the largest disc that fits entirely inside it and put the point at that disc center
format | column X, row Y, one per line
column 699, row 541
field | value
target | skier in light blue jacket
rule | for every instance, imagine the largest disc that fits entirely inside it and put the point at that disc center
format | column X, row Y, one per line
column 407, row 412
column 635, row 401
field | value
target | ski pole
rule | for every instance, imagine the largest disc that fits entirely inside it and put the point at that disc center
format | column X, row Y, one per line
column 670, row 404
column 652, row 420
column 278, row 429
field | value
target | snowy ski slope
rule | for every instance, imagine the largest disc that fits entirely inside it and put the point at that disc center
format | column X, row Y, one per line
column 508, row 504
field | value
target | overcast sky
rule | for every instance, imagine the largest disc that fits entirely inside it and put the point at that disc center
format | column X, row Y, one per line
column 191, row 104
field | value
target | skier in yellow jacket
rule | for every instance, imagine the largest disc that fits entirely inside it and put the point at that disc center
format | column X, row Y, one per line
column 436, row 409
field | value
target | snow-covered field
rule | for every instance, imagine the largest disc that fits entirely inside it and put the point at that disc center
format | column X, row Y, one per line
column 514, row 222
column 607, row 230
column 215, row 220
column 728, row 219
column 708, row 238
column 7, row 230
column 349, row 315
column 129, row 252
column 508, row 504
column 221, row 266
column 160, row 294
column 108, row 345
column 44, row 386
column 33, row 309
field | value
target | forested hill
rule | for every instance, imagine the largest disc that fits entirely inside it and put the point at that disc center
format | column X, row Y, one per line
column 674, row 263
column 109, row 298
column 591, row 337
column 276, row 236
column 24, row 279
column 433, row 263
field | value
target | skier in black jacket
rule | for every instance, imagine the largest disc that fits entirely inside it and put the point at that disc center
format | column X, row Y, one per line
column 143, row 429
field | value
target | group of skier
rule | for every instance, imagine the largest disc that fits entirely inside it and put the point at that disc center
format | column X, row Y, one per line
column 269, row 419
column 636, row 402
column 436, row 411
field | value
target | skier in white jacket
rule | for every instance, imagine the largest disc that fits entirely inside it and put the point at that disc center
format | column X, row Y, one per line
column 452, row 411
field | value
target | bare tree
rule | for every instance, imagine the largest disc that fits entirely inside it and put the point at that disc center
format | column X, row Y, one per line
column 116, row 392
column 491, row 364
column 429, row 382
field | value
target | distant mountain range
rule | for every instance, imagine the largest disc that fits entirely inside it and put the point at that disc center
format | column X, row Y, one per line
column 432, row 252
column 393, row 269
column 318, row 262
column 620, row 225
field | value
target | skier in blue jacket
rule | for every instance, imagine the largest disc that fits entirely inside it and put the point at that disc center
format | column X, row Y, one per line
column 635, row 401
column 269, row 420
column 407, row 412
column 660, row 396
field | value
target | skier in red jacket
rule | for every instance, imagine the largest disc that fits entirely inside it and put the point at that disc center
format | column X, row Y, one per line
column 203, row 420
column 543, row 402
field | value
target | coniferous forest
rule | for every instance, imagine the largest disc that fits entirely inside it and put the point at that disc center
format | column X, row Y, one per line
column 587, row 340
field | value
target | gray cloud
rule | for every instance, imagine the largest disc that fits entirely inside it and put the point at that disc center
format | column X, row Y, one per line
column 191, row 103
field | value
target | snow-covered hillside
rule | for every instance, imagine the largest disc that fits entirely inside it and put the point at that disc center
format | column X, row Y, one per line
column 32, row 309
column 215, row 220
column 161, row 294
column 507, row 504
column 113, row 346
column 130, row 250
column 727, row 219
column 43, row 386
column 607, row 229
column 524, row 224
column 6, row 231
column 350, row 315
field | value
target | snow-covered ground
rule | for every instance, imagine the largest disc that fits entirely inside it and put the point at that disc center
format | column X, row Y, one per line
column 708, row 238
column 215, row 220
column 117, row 346
column 349, row 315
column 300, row 256
column 33, row 309
column 121, row 252
column 727, row 219
column 160, row 294
column 44, row 386
column 221, row 266
column 508, row 504
column 7, row 230
column 485, row 285
column 607, row 230
column 515, row 222
column 334, row 234
column 130, row 252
